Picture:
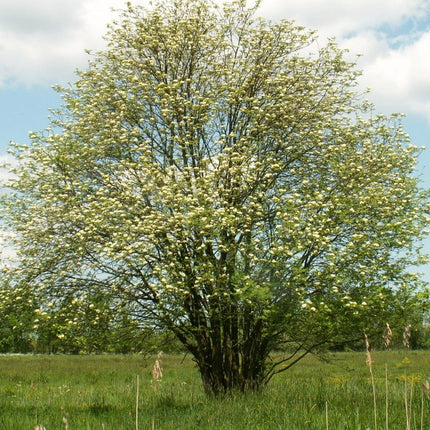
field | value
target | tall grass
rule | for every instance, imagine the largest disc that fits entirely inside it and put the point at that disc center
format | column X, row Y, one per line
column 100, row 392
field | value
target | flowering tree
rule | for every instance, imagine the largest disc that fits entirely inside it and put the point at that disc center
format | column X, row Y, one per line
column 218, row 173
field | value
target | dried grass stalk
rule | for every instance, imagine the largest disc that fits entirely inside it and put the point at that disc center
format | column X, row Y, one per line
column 407, row 336
column 426, row 388
column 157, row 372
column 387, row 336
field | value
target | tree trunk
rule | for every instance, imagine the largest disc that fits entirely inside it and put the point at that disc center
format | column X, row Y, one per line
column 220, row 378
column 228, row 364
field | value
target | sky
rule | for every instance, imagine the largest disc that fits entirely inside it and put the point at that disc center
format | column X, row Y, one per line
column 43, row 43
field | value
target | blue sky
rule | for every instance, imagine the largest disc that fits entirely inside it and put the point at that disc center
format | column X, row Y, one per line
column 43, row 42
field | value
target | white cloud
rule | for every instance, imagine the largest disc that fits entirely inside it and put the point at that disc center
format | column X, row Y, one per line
column 44, row 17
column 399, row 79
column 340, row 17
column 38, row 40
column 44, row 41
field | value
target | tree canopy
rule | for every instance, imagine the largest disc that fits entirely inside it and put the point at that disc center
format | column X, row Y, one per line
column 219, row 174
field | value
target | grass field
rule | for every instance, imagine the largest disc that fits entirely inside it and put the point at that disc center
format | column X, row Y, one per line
column 99, row 392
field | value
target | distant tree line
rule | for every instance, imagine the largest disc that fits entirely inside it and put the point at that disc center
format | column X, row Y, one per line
column 91, row 325
column 96, row 324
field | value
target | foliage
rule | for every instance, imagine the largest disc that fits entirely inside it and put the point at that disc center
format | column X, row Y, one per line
column 91, row 326
column 218, row 174
column 17, row 307
column 408, row 307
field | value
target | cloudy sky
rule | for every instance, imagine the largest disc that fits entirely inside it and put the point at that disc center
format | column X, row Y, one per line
column 43, row 42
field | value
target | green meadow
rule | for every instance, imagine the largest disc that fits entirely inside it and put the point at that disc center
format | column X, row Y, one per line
column 116, row 392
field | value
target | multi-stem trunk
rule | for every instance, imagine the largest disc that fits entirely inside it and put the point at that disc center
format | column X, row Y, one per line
column 234, row 356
